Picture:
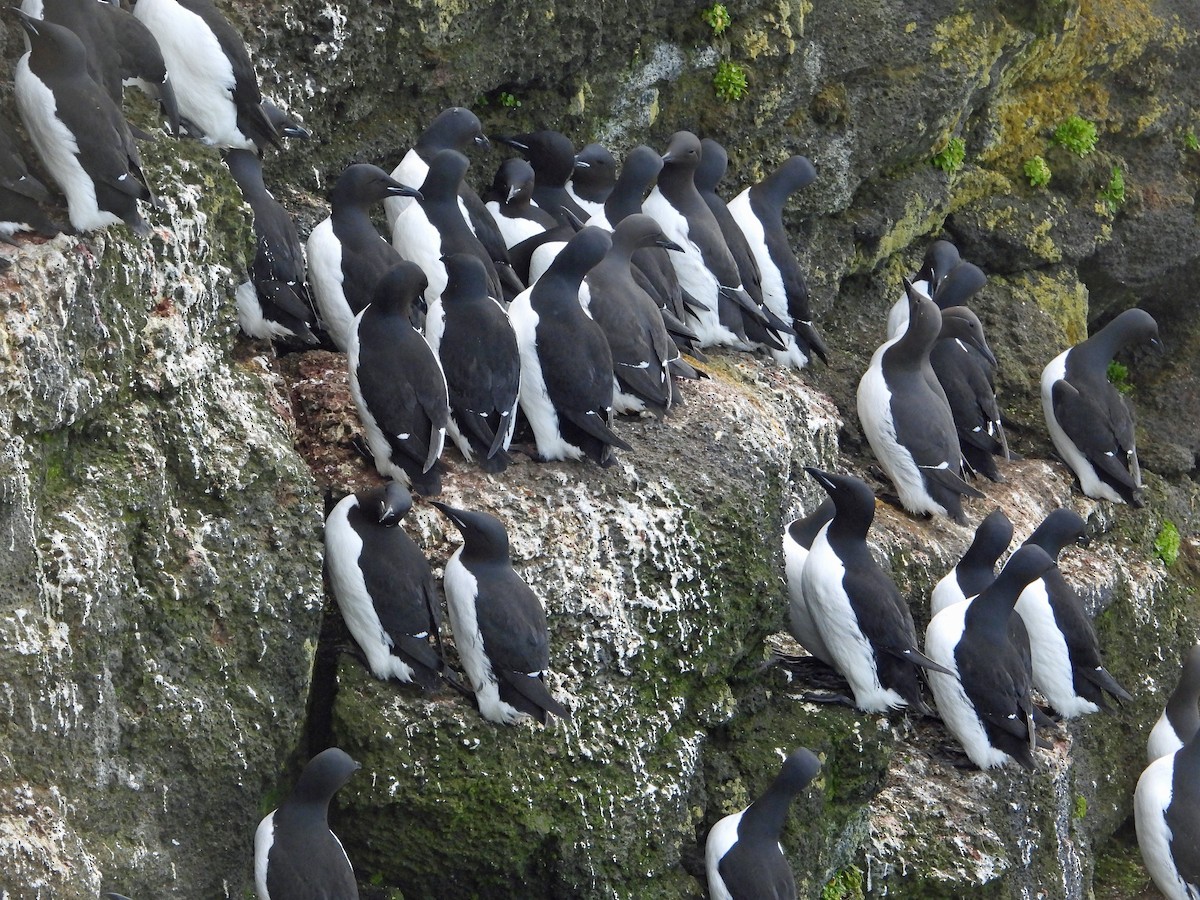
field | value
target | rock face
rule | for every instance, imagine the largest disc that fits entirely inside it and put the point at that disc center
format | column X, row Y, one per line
column 167, row 659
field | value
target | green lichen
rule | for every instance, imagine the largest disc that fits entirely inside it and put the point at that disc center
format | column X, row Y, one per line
column 729, row 81
column 1112, row 195
column 1037, row 171
column 717, row 17
column 950, row 158
column 848, row 884
column 1118, row 375
column 1076, row 134
column 1190, row 141
column 1166, row 543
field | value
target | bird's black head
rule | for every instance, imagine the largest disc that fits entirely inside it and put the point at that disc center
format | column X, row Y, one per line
column 401, row 287
column 992, row 538
column 596, row 165
column 52, row 44
column 713, row 163
column 960, row 323
column 362, row 184
column 466, row 278
column 454, row 128
column 1063, row 526
column 514, row 178
column 446, row 172
column 640, row 230
column 284, row 123
column 798, row 770
column 853, row 499
column 683, row 151
column 963, row 283
column 389, row 504
column 1136, row 326
column 324, row 776
column 483, row 534
column 795, row 173
column 940, row 259
column 583, row 251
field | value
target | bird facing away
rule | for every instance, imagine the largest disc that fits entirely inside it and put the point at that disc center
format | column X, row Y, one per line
column 1166, row 808
column 296, row 856
column 742, row 855
column 499, row 623
column 1181, row 717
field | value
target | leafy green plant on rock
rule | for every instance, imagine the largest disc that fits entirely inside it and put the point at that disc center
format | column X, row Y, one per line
column 1166, row 544
column 950, row 158
column 717, row 17
column 1037, row 171
column 1076, row 134
column 1190, row 141
column 845, row 885
column 1112, row 195
column 730, row 81
column 1118, row 375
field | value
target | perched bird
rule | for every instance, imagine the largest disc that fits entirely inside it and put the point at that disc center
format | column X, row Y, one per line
column 21, row 194
column 706, row 269
column 119, row 48
column 1067, row 667
column 798, row 538
column 758, row 210
column 77, row 130
column 1166, row 811
column 964, row 366
column 566, row 363
column 1181, row 717
column 743, row 856
column 907, row 421
column 471, row 334
column 296, row 856
column 941, row 258
column 346, row 255
column 641, row 348
column 768, row 330
column 984, row 692
column 592, row 179
column 1089, row 421
column 274, row 304
column 510, row 202
column 976, row 569
column 283, row 123
column 433, row 227
column 499, row 624
column 863, row 620
column 215, row 83
column 553, row 159
column 398, row 385
column 383, row 585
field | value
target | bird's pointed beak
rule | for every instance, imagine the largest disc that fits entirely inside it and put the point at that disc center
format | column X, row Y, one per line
column 580, row 164
column 512, row 192
column 26, row 19
column 482, row 142
column 668, row 244
column 396, row 189
column 449, row 512
column 822, row 478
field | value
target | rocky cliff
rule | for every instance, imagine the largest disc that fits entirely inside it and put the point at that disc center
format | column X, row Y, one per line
column 167, row 655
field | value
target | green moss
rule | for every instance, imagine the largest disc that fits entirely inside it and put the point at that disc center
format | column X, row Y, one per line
column 1081, row 806
column 729, row 81
column 950, row 158
column 1166, row 543
column 717, row 17
column 1112, row 195
column 1037, row 171
column 1118, row 376
column 1190, row 141
column 1076, row 134
column 847, row 884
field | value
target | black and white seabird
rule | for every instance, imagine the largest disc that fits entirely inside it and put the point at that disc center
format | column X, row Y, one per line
column 1089, row 421
column 296, row 856
column 758, row 210
column 552, row 156
column 863, row 620
column 1166, row 807
column 119, row 47
column 21, row 194
column 1180, row 718
column 566, row 363
column 346, row 255
column 984, row 692
column 641, row 348
column 907, row 421
column 215, row 84
column 397, row 384
column 964, row 365
column 706, row 269
column 1067, row 667
column 592, row 179
column 742, row 855
column 941, row 258
column 798, row 538
column 383, row 585
column 432, row 227
column 471, row 334
column 499, row 623
column 77, row 130
column 454, row 128
column 274, row 304
column 510, row 202
column 977, row 568
column 284, row 123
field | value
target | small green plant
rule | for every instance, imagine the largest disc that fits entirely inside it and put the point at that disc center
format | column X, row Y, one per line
column 717, row 17
column 729, row 81
column 507, row 100
column 1037, row 171
column 1190, row 141
column 1166, row 544
column 1113, row 193
column 845, row 885
column 1076, row 134
column 950, row 158
column 1118, row 374
column 1080, row 806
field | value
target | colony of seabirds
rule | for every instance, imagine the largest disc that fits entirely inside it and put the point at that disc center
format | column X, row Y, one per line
column 570, row 291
